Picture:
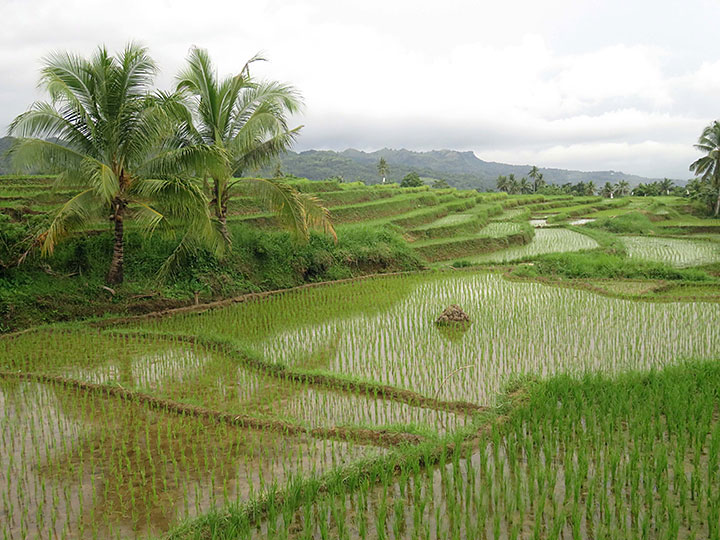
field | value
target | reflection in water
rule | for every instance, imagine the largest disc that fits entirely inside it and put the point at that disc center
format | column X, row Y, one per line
column 77, row 465
column 518, row 328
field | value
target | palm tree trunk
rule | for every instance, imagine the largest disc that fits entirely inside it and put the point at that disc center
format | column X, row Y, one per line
column 115, row 274
column 717, row 204
column 222, row 219
column 219, row 208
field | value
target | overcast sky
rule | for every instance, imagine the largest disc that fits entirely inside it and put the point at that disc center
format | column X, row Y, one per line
column 592, row 85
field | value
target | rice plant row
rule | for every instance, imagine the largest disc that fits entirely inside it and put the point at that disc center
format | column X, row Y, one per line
column 636, row 456
column 546, row 240
column 517, row 328
column 673, row 251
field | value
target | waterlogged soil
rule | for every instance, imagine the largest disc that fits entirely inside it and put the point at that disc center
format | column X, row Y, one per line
column 546, row 240
column 673, row 251
column 197, row 375
column 76, row 465
column 517, row 329
column 481, row 497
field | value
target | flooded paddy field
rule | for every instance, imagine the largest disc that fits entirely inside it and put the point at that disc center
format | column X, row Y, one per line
column 517, row 329
column 131, row 429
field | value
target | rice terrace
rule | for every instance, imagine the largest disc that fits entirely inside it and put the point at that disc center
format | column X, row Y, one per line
column 199, row 342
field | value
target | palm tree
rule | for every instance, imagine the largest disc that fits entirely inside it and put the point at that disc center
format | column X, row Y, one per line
column 590, row 188
column 104, row 131
column 665, row 186
column 608, row 190
column 513, row 186
column 708, row 166
column 383, row 169
column 536, row 177
column 622, row 188
column 525, row 186
column 502, row 183
column 247, row 120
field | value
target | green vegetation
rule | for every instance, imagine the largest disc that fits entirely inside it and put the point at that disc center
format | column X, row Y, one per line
column 545, row 241
column 708, row 167
column 245, row 120
column 246, row 414
column 411, row 179
column 118, row 148
column 673, row 251
column 576, row 397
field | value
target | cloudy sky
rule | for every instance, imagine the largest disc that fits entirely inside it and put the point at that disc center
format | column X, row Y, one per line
column 590, row 85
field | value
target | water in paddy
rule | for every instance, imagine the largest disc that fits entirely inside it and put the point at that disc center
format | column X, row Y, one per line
column 546, row 240
column 517, row 329
column 674, row 251
column 75, row 465
column 198, row 375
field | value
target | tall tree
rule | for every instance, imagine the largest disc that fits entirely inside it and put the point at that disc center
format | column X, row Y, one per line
column 666, row 185
column 247, row 121
column 536, row 176
column 622, row 188
column 383, row 169
column 608, row 190
column 513, row 186
column 525, row 186
column 708, row 166
column 411, row 179
column 104, row 131
column 502, row 183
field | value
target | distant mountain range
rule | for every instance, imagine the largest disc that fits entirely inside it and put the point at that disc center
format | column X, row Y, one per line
column 460, row 169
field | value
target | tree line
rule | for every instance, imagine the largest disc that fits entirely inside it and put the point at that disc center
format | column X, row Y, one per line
column 705, row 188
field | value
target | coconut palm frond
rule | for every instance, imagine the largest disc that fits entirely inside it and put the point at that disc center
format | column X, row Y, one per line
column 178, row 198
column 72, row 79
column 280, row 198
column 253, row 154
column 42, row 120
column 148, row 219
column 82, row 209
column 50, row 156
column 187, row 159
column 279, row 98
column 104, row 182
column 317, row 216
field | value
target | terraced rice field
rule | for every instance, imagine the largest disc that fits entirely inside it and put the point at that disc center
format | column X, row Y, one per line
column 673, row 251
column 518, row 328
column 125, row 433
column 546, row 240
column 574, row 459
column 345, row 412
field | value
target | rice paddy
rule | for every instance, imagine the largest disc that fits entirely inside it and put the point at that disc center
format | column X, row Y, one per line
column 518, row 328
column 344, row 411
column 546, row 240
column 620, row 458
column 673, row 251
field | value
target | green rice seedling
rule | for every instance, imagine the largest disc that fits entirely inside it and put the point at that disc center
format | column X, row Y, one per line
column 609, row 476
column 545, row 241
column 676, row 252
column 517, row 328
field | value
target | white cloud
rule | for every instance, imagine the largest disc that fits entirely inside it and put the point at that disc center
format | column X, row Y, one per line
column 564, row 81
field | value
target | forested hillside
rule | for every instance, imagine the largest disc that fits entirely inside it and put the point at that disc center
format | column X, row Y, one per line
column 461, row 169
